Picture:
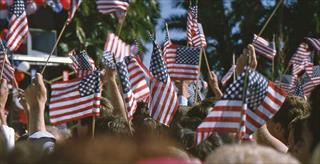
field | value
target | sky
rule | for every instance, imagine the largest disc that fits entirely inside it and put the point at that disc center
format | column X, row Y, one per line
column 166, row 11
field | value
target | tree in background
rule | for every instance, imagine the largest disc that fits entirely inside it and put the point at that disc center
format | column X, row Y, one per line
column 89, row 28
column 229, row 26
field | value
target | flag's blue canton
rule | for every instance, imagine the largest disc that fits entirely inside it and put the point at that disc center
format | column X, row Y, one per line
column 235, row 89
column 299, row 88
column 157, row 65
column 256, row 89
column 257, row 86
column 55, row 5
column 90, row 85
column 83, row 59
column 107, row 60
column 187, row 55
column 123, row 73
column 18, row 8
column 1, row 49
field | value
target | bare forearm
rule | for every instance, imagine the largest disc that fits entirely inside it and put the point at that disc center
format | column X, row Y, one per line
column 265, row 138
column 116, row 98
column 216, row 91
column 36, row 118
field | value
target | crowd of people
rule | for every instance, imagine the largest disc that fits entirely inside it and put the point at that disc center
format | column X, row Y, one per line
column 291, row 136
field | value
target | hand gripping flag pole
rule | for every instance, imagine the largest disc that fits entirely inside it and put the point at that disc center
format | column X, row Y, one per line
column 242, row 128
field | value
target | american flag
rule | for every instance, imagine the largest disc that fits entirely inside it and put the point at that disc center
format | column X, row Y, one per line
column 314, row 42
column 128, row 95
column 164, row 100
column 264, row 47
column 263, row 100
column 75, row 4
column 75, row 99
column 82, row 64
column 307, row 83
column 18, row 26
column 110, row 6
column 8, row 70
column 192, row 23
column 228, row 75
column 138, row 74
column 167, row 44
column 301, row 60
column 199, row 39
column 284, row 83
column 183, row 62
column 116, row 47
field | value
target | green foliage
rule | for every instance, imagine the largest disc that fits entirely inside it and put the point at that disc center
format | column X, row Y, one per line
column 89, row 28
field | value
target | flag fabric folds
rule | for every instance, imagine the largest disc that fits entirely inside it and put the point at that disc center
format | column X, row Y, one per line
column 306, row 83
column 18, row 25
column 83, row 65
column 8, row 70
column 116, row 47
column 163, row 101
column 75, row 99
column 182, row 62
column 191, row 23
column 263, row 100
column 110, row 6
column 315, row 43
column 75, row 4
column 264, row 47
column 301, row 60
column 128, row 95
column 228, row 75
column 195, row 34
column 199, row 39
column 138, row 74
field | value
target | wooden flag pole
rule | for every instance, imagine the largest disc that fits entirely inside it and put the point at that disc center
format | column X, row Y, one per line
column 197, row 81
column 93, row 125
column 167, row 28
column 273, row 72
column 121, row 24
column 55, row 46
column 59, row 78
column 233, row 64
column 3, row 63
column 270, row 17
column 244, row 94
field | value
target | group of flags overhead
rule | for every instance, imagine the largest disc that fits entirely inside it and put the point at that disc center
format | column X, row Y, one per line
column 80, row 97
column 263, row 100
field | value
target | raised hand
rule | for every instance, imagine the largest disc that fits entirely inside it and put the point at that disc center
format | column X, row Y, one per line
column 4, row 92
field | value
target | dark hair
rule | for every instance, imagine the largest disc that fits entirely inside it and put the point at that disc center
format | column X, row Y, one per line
column 314, row 120
column 298, row 125
column 292, row 108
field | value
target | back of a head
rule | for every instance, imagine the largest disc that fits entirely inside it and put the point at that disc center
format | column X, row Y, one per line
column 248, row 153
column 292, row 108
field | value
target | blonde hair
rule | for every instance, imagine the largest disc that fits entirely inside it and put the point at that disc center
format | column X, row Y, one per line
column 248, row 153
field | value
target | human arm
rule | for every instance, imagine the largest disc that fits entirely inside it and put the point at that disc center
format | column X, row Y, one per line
column 214, row 85
column 109, row 78
column 264, row 137
column 36, row 97
column 4, row 92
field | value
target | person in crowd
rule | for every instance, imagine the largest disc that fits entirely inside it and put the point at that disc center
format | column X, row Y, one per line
column 300, row 139
column 275, row 133
column 248, row 153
